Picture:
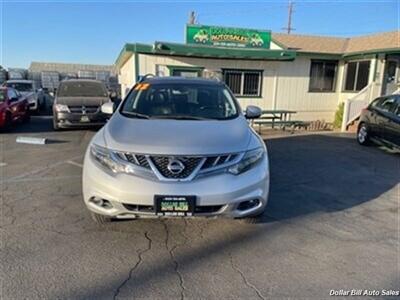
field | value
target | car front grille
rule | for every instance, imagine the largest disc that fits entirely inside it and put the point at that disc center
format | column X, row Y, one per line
column 161, row 164
column 81, row 109
column 189, row 163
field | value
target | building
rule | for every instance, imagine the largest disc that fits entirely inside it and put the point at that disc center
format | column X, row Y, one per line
column 49, row 74
column 308, row 74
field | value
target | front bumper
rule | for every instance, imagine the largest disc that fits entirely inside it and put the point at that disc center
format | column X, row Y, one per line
column 69, row 120
column 217, row 195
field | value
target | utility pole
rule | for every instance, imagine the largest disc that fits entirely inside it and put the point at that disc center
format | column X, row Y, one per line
column 192, row 18
column 289, row 27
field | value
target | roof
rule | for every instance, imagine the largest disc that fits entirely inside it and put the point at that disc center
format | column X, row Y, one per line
column 342, row 46
column 82, row 79
column 68, row 67
column 387, row 42
column 179, row 79
column 19, row 81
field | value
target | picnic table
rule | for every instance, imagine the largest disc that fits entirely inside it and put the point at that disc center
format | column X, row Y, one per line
column 280, row 117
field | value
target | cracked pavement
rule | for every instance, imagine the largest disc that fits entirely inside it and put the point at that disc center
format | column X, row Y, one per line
column 332, row 222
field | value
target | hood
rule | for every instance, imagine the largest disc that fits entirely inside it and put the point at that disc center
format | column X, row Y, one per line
column 78, row 101
column 177, row 137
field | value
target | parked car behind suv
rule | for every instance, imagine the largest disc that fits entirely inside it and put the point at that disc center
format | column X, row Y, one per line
column 380, row 122
column 176, row 147
column 77, row 103
column 28, row 88
column 13, row 107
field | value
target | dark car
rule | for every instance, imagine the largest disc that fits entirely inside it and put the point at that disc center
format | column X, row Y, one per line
column 380, row 122
column 77, row 104
column 13, row 107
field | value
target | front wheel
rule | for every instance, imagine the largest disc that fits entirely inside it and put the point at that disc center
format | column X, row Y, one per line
column 55, row 124
column 27, row 117
column 363, row 135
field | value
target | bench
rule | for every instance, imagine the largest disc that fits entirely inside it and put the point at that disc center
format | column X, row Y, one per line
column 282, row 124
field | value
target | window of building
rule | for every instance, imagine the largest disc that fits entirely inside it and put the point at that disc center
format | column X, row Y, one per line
column 243, row 83
column 322, row 76
column 183, row 71
column 357, row 74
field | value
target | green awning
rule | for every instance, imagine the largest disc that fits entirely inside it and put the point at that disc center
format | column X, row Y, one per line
column 173, row 49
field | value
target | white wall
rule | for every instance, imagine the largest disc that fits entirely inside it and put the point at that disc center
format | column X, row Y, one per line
column 285, row 84
column 126, row 76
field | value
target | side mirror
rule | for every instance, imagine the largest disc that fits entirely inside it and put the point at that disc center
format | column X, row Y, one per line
column 13, row 99
column 113, row 95
column 107, row 108
column 252, row 112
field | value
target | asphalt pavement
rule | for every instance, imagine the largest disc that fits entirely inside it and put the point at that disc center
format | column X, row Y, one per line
column 332, row 223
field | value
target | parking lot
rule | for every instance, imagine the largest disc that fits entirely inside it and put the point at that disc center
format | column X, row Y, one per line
column 332, row 223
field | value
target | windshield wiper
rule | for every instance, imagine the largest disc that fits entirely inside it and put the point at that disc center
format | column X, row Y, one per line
column 180, row 117
column 136, row 115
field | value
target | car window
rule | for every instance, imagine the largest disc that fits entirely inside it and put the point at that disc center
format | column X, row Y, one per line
column 20, row 86
column 387, row 104
column 11, row 94
column 181, row 101
column 375, row 102
column 397, row 109
column 82, row 89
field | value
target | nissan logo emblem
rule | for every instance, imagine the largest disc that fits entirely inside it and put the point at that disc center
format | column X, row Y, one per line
column 175, row 166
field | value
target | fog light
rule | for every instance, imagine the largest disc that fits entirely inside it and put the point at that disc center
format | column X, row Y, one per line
column 101, row 202
column 245, row 205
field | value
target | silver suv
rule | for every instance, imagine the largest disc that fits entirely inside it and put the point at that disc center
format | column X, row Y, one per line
column 176, row 147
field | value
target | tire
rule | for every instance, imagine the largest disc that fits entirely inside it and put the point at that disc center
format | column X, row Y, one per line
column 363, row 135
column 55, row 125
column 100, row 219
column 8, row 121
column 27, row 117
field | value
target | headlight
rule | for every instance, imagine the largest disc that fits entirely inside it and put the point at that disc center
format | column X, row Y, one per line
column 61, row 108
column 109, row 160
column 250, row 159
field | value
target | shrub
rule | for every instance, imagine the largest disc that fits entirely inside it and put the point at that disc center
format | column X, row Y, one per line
column 337, row 123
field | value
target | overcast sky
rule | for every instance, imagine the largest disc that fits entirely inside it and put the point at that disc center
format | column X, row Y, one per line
column 94, row 32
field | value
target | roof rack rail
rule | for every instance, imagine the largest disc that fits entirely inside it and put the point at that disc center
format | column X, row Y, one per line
column 141, row 79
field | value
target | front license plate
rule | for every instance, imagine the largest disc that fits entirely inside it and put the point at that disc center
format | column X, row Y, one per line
column 174, row 205
column 85, row 119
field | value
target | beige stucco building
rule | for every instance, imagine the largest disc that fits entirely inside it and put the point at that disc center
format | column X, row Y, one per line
column 308, row 74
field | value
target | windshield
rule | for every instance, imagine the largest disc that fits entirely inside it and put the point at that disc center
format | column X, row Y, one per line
column 180, row 101
column 82, row 89
column 19, row 86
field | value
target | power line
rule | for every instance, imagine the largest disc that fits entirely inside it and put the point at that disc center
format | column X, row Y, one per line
column 289, row 27
column 192, row 17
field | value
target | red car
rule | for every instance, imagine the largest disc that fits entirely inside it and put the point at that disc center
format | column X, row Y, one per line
column 13, row 107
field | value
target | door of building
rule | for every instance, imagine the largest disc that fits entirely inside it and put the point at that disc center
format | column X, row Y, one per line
column 391, row 77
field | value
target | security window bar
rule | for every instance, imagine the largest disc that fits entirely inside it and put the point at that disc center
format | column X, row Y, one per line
column 244, row 83
column 357, row 73
column 322, row 76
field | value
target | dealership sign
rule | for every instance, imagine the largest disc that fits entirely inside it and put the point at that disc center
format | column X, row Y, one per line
column 227, row 36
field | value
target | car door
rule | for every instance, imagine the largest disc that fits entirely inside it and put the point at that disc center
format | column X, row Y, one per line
column 392, row 127
column 372, row 117
column 385, row 113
